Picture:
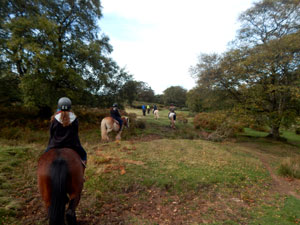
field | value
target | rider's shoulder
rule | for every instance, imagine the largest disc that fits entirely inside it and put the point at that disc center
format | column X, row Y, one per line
column 71, row 115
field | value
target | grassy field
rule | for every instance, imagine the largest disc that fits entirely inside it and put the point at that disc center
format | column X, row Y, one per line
column 157, row 175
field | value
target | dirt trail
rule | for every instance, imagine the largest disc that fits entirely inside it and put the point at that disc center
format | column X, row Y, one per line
column 282, row 185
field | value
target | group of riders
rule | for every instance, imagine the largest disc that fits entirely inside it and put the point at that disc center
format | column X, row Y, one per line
column 64, row 127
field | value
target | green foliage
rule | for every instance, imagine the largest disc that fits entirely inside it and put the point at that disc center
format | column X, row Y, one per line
column 201, row 99
column 144, row 92
column 175, row 95
column 261, row 71
column 53, row 49
column 90, row 117
column 220, row 121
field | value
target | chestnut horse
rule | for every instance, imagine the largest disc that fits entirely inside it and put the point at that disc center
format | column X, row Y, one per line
column 109, row 124
column 60, row 181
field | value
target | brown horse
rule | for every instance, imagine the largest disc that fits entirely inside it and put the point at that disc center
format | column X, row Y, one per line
column 60, row 180
column 109, row 124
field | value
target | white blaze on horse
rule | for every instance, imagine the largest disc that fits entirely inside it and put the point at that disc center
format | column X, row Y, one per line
column 109, row 124
column 172, row 117
column 156, row 115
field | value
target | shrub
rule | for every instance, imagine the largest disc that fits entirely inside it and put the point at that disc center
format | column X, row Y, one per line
column 90, row 117
column 207, row 121
column 220, row 123
column 140, row 124
column 290, row 167
column 181, row 118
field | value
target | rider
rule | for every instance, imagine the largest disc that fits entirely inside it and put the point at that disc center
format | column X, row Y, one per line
column 64, row 130
column 114, row 113
column 172, row 112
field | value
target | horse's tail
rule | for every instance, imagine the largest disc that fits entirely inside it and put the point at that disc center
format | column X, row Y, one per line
column 103, row 130
column 58, row 174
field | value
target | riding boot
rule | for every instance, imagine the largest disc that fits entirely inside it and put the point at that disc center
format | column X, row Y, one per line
column 121, row 127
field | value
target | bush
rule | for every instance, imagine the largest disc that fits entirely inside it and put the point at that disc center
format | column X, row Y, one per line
column 290, row 167
column 208, row 121
column 220, row 123
column 90, row 117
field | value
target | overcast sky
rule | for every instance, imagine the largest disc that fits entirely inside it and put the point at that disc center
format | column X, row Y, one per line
column 158, row 41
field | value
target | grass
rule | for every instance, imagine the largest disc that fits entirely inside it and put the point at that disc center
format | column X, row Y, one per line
column 156, row 175
column 14, row 179
column 291, row 137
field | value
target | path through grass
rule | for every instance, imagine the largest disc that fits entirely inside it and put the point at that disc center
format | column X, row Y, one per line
column 166, row 180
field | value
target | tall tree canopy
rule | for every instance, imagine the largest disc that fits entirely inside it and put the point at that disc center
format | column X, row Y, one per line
column 261, row 72
column 145, row 92
column 175, row 95
column 53, row 47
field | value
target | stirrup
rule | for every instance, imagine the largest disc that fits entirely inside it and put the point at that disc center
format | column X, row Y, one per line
column 83, row 163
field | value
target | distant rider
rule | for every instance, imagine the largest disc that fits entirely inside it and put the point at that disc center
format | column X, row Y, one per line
column 172, row 113
column 144, row 110
column 154, row 108
column 114, row 113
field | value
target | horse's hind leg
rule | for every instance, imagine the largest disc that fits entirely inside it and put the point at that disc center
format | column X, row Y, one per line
column 70, row 214
column 118, row 137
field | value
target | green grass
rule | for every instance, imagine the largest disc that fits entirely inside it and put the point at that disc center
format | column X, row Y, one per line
column 12, row 179
column 284, row 212
column 253, row 133
column 156, row 175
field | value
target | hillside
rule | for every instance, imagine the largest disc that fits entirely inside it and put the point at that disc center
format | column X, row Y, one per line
column 157, row 175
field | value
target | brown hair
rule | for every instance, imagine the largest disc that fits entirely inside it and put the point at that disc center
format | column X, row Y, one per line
column 65, row 118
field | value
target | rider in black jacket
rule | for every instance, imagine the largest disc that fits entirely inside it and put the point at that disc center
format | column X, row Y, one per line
column 114, row 113
column 64, row 129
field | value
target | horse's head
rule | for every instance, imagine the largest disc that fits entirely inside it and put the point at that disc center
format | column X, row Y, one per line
column 125, row 121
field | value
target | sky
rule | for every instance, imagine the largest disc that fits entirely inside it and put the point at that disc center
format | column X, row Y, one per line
column 158, row 41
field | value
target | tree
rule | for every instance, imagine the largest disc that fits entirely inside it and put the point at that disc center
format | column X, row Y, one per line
column 129, row 91
column 55, row 45
column 175, row 95
column 144, row 92
column 263, row 76
column 268, row 20
column 201, row 99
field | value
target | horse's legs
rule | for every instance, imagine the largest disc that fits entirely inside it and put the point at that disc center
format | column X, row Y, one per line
column 118, row 137
column 70, row 214
column 172, row 122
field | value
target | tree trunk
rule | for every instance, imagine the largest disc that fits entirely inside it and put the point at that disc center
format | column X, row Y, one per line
column 274, row 133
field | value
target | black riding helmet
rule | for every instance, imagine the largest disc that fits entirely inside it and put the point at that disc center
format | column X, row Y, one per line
column 115, row 105
column 64, row 104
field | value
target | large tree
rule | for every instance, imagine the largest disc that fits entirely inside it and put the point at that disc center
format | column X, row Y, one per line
column 145, row 92
column 54, row 48
column 261, row 73
column 175, row 95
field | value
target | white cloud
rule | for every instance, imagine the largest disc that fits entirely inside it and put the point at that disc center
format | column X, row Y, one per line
column 159, row 40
